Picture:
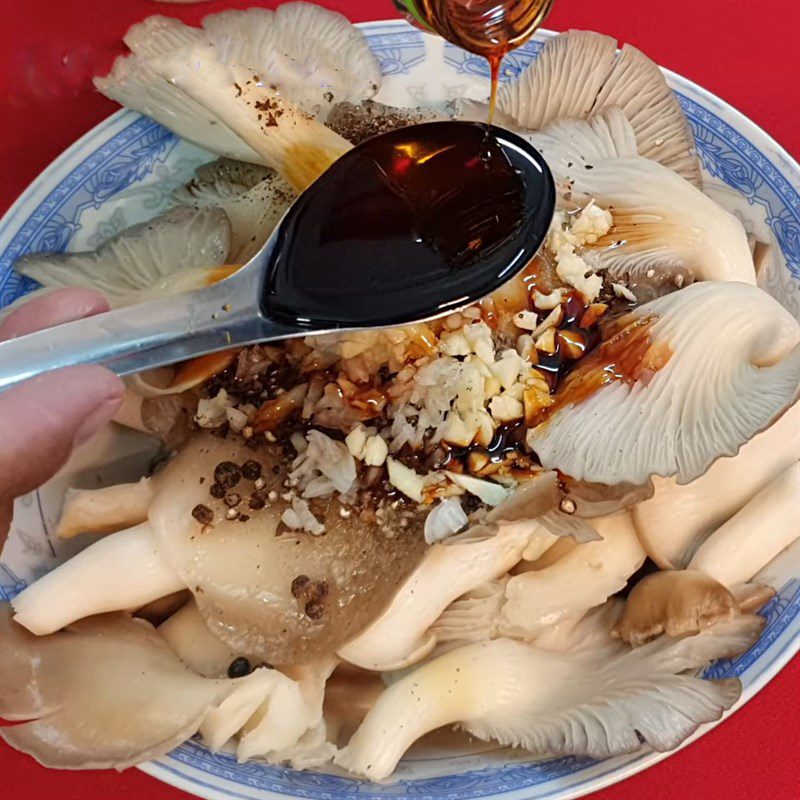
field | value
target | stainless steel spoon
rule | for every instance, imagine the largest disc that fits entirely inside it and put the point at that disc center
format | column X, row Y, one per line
column 379, row 185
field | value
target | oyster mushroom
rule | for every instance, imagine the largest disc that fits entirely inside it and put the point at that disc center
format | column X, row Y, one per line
column 190, row 639
column 402, row 635
column 105, row 510
column 108, row 692
column 753, row 536
column 581, row 704
column 287, row 140
column 634, row 407
column 679, row 518
column 676, row 603
column 142, row 261
column 253, row 198
column 581, row 579
column 118, row 572
column 316, row 57
column 288, row 726
column 551, row 592
column 321, row 590
column 579, row 73
column 134, row 84
column 660, row 221
column 313, row 56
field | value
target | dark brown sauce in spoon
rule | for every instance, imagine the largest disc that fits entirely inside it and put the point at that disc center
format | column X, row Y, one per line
column 410, row 225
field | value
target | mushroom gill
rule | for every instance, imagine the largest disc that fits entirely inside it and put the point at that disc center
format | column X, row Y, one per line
column 578, row 704
column 635, row 406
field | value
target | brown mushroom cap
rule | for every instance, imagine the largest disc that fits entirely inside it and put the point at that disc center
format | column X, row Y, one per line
column 107, row 692
column 677, row 603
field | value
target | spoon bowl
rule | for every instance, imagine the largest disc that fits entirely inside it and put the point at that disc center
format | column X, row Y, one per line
column 408, row 226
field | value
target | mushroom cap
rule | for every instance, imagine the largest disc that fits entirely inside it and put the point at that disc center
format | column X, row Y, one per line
column 244, row 574
column 553, row 703
column 402, row 635
column 315, row 56
column 677, row 603
column 143, row 257
column 579, row 73
column 634, row 407
column 107, row 692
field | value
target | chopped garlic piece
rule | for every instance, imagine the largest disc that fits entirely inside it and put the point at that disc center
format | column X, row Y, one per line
column 559, row 235
column 527, row 320
column 592, row 223
column 489, row 492
column 508, row 367
column 547, row 301
column 623, row 291
column 547, row 341
column 212, row 411
column 299, row 517
column 474, row 339
column 375, row 451
column 572, row 269
column 550, row 321
column 525, row 346
column 491, row 388
column 405, row 480
column 236, row 419
column 505, row 408
column 356, row 441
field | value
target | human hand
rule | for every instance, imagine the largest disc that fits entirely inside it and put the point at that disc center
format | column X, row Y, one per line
column 43, row 419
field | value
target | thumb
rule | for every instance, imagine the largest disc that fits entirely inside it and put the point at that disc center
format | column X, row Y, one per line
column 43, row 419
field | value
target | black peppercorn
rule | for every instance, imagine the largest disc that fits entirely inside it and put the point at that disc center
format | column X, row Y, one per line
column 251, row 470
column 239, row 667
column 228, row 474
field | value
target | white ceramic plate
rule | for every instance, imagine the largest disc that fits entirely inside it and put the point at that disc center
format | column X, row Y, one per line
column 123, row 171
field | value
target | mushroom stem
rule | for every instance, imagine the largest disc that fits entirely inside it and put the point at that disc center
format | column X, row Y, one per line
column 593, row 704
column 401, row 635
column 193, row 642
column 750, row 539
column 105, row 510
column 583, row 578
column 119, row 572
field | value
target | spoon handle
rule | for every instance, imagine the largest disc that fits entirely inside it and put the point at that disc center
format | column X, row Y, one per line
column 141, row 337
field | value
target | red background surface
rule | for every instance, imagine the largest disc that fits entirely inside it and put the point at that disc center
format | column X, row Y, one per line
column 745, row 51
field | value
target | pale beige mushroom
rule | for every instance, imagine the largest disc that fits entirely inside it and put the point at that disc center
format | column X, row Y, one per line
column 120, row 571
column 655, row 416
column 558, row 704
column 579, row 74
column 323, row 590
column 679, row 518
column 190, row 639
column 402, row 635
column 105, row 510
column 753, row 536
column 584, row 577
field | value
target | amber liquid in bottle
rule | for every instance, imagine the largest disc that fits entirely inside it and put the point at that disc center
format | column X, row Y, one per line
column 488, row 28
